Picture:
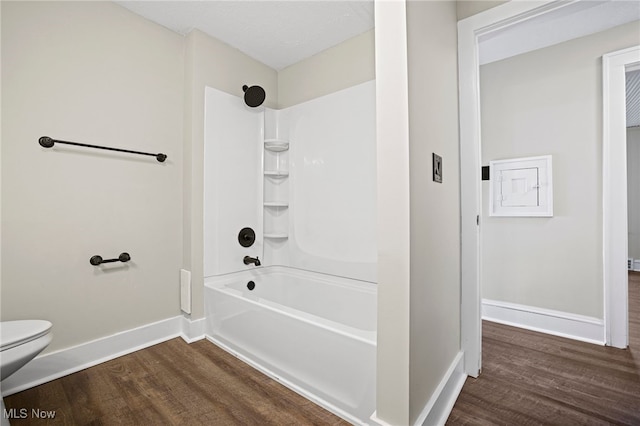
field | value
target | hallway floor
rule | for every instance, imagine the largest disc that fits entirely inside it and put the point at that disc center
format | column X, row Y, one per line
column 531, row 378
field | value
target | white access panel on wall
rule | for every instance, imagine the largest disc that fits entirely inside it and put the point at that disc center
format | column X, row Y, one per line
column 521, row 187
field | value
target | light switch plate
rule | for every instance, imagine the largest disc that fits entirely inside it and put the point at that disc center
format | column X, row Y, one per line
column 521, row 187
column 437, row 168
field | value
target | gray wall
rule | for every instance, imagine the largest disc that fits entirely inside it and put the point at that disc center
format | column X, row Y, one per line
column 549, row 101
column 89, row 72
column 95, row 72
column 466, row 8
column 435, row 207
column 350, row 63
column 418, row 219
column 393, row 229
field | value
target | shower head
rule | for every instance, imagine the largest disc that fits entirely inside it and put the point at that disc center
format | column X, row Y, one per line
column 253, row 96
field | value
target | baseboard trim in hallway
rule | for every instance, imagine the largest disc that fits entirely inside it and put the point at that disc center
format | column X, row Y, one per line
column 557, row 323
column 51, row 366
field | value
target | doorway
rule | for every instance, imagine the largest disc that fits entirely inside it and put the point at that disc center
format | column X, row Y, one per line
column 473, row 31
column 615, row 229
column 632, row 112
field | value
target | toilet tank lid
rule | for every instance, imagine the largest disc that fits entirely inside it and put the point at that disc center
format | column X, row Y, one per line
column 14, row 333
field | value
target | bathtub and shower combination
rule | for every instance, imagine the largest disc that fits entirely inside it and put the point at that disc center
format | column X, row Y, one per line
column 314, row 332
column 303, row 310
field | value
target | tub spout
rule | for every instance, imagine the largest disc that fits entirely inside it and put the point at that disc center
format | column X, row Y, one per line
column 254, row 260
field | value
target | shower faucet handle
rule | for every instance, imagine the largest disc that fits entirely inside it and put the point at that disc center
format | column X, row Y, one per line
column 246, row 237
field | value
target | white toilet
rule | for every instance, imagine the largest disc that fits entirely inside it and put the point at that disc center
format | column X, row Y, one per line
column 20, row 342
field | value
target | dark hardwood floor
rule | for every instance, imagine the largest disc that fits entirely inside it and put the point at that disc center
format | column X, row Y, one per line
column 528, row 378
column 172, row 383
column 531, row 378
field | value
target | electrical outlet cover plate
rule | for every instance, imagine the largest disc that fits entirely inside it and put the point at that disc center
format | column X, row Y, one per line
column 521, row 187
column 437, row 168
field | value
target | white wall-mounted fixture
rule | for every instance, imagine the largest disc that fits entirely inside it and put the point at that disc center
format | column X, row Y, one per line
column 521, row 187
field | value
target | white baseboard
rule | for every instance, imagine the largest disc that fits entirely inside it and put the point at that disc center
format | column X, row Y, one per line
column 563, row 324
column 438, row 408
column 377, row 421
column 192, row 331
column 51, row 366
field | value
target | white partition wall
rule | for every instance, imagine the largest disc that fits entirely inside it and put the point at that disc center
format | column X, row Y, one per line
column 232, row 181
column 332, row 174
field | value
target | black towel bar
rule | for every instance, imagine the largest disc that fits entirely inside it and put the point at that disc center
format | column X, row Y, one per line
column 47, row 142
column 97, row 260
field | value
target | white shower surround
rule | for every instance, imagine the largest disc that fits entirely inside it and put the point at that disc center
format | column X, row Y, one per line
column 330, row 220
column 311, row 320
column 232, row 181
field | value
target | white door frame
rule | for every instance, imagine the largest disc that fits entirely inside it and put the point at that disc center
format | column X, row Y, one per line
column 469, row 30
column 614, row 191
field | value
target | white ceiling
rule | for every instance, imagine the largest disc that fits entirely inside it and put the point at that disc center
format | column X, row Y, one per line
column 276, row 33
column 282, row 32
column 578, row 19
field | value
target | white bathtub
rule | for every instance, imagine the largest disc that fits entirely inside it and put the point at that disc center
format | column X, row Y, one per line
column 315, row 333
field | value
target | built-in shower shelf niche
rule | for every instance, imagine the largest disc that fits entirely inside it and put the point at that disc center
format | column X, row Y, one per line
column 276, row 174
column 276, row 145
column 276, row 211
column 276, row 235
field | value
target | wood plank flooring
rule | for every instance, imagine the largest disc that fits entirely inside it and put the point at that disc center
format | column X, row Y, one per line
column 528, row 378
column 531, row 378
column 172, row 383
